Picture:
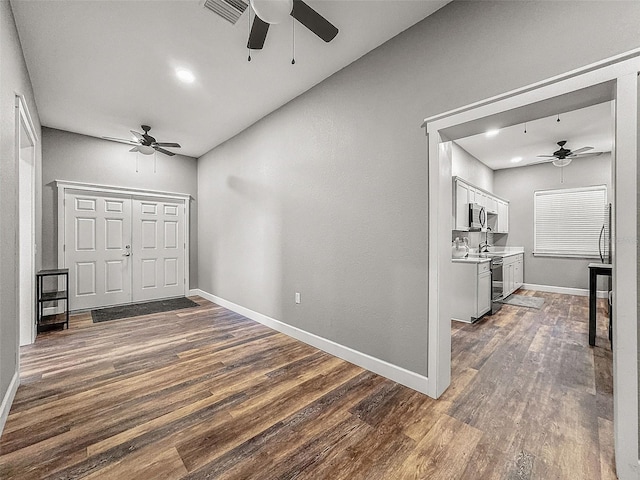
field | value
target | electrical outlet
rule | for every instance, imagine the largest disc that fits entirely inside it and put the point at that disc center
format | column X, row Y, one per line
column 297, row 297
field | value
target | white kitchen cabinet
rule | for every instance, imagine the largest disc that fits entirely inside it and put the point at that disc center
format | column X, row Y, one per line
column 503, row 217
column 461, row 206
column 518, row 272
column 492, row 204
column 512, row 274
column 484, row 292
column 472, row 282
column 481, row 198
column 465, row 193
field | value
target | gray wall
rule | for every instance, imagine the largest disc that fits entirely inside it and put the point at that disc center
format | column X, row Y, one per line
column 80, row 158
column 14, row 78
column 469, row 168
column 327, row 195
column 518, row 185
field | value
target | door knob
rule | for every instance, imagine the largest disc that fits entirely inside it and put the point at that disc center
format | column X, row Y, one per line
column 128, row 252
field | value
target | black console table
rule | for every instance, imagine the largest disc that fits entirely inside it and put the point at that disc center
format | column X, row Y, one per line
column 596, row 269
column 44, row 322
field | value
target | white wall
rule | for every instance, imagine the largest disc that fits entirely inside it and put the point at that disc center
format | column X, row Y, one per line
column 518, row 186
column 14, row 79
column 469, row 168
column 327, row 195
column 74, row 157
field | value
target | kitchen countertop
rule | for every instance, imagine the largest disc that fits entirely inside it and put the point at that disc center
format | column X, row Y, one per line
column 476, row 257
column 471, row 260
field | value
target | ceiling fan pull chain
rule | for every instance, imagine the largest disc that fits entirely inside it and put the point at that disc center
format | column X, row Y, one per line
column 525, row 127
column 558, row 120
column 249, row 18
column 137, row 156
column 155, row 161
column 293, row 34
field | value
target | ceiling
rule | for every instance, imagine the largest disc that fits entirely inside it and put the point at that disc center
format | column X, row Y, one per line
column 590, row 126
column 102, row 68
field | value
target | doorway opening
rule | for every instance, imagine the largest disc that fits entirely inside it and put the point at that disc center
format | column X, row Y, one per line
column 26, row 161
column 613, row 79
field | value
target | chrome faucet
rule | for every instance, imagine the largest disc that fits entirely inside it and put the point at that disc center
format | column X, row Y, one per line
column 484, row 247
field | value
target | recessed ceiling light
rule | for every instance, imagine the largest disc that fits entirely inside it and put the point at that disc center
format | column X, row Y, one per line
column 185, row 75
column 492, row 133
column 516, row 159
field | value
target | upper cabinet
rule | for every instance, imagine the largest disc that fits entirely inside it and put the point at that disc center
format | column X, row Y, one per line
column 503, row 217
column 461, row 202
column 496, row 208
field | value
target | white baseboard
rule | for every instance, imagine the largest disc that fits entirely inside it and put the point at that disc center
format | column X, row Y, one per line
column 400, row 375
column 583, row 292
column 10, row 394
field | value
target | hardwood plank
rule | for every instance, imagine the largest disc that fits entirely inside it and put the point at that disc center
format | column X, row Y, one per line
column 443, row 452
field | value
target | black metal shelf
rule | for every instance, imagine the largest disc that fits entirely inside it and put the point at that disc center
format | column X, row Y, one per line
column 51, row 296
column 47, row 322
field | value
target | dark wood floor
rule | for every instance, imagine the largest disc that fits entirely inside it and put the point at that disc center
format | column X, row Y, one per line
column 205, row 393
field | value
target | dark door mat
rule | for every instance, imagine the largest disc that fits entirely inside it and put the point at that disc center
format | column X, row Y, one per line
column 137, row 309
column 524, row 301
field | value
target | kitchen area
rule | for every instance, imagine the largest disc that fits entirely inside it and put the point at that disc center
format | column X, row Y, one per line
column 487, row 274
column 528, row 214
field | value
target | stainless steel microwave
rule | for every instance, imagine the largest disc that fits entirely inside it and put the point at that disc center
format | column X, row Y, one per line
column 477, row 217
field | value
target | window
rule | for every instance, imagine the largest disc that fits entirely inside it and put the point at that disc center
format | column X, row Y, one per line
column 568, row 222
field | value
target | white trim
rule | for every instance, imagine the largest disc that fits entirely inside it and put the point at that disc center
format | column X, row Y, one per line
column 94, row 187
column 582, row 292
column 64, row 186
column 23, row 117
column 631, row 54
column 10, row 394
column 622, row 72
column 393, row 372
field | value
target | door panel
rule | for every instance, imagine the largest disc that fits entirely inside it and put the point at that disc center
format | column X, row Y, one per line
column 158, row 249
column 97, row 231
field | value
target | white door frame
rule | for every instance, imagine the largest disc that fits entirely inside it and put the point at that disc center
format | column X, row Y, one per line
column 622, row 72
column 64, row 185
column 27, row 330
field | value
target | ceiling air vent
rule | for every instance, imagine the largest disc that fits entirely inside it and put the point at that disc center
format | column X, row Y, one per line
column 230, row 10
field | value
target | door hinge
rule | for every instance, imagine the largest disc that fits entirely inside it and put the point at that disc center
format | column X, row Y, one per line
column 64, row 248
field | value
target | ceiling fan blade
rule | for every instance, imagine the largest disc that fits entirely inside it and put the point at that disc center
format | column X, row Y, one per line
column 313, row 21
column 258, row 34
column 162, row 150
column 590, row 154
column 135, row 149
column 580, row 150
column 546, row 156
column 121, row 140
column 164, row 144
column 139, row 136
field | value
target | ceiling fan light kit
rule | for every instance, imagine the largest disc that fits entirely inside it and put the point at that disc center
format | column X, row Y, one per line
column 272, row 11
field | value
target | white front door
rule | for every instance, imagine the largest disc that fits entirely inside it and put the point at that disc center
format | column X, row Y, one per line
column 158, row 249
column 121, row 249
column 97, row 249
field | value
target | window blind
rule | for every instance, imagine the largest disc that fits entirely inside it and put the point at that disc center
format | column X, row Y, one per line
column 568, row 222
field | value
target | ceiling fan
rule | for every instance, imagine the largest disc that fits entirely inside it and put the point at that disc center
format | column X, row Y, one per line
column 145, row 143
column 563, row 156
column 269, row 12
